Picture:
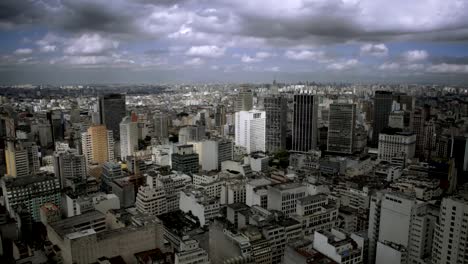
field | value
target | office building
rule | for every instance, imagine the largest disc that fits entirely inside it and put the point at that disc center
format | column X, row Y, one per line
column 98, row 144
column 305, row 119
column 69, row 167
column 214, row 151
column 284, row 197
column 110, row 172
column 396, row 144
column 22, row 158
column 244, row 100
column 185, row 159
column 128, row 137
column 383, row 101
column 451, row 232
column 160, row 125
column 342, row 122
column 112, row 110
column 276, row 110
column 251, row 130
column 57, row 124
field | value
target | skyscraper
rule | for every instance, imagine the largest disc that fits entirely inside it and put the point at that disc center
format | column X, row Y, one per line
column 342, row 120
column 244, row 100
column 276, row 109
column 128, row 137
column 69, row 167
column 160, row 125
column 112, row 110
column 383, row 101
column 56, row 121
column 305, row 132
column 250, row 130
column 98, row 144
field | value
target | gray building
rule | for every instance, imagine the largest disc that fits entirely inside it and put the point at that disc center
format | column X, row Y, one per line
column 110, row 172
column 112, row 110
column 305, row 132
column 383, row 101
column 342, row 120
column 276, row 108
column 69, row 167
column 244, row 100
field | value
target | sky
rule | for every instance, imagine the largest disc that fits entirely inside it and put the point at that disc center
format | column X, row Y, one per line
column 180, row 41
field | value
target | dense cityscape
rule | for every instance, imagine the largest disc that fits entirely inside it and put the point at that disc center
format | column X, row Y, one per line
column 251, row 173
column 233, row 132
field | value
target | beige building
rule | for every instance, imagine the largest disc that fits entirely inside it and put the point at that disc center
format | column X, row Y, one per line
column 98, row 144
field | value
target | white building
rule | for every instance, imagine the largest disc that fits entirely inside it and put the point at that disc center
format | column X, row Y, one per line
column 339, row 246
column 315, row 213
column 250, row 130
column 200, row 205
column 396, row 145
column 151, row 201
column 232, row 192
column 73, row 206
column 284, row 197
column 256, row 192
column 213, row 152
column 451, row 233
column 128, row 137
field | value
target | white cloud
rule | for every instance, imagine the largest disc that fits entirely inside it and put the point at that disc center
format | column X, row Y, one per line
column 415, row 67
column 248, row 59
column 23, row 52
column 377, row 50
column 306, row 55
column 263, row 55
column 415, row 55
column 90, row 44
column 194, row 62
column 448, row 68
column 210, row 51
column 389, row 66
column 344, row 65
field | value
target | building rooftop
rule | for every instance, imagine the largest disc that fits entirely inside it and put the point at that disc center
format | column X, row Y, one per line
column 68, row 225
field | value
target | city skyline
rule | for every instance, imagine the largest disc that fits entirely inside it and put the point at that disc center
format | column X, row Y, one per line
column 70, row 42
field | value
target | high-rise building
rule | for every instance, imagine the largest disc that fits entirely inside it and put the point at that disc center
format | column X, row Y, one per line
column 276, row 109
column 191, row 133
column 22, row 158
column 220, row 116
column 110, row 172
column 383, row 101
column 244, row 100
column 112, row 110
column 30, row 193
column 184, row 159
column 305, row 118
column 451, row 233
column 214, row 151
column 128, row 137
column 418, row 129
column 400, row 228
column 250, row 130
column 69, row 167
column 342, row 122
column 160, row 125
column 98, row 144
column 57, row 123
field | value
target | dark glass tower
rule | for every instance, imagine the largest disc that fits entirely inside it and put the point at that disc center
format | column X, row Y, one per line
column 383, row 101
column 305, row 133
column 112, row 110
column 276, row 108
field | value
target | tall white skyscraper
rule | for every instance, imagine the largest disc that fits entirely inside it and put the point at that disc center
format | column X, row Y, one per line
column 128, row 137
column 451, row 232
column 250, row 130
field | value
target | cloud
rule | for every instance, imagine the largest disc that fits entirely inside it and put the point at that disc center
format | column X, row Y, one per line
column 23, row 52
column 377, row 50
column 415, row 55
column 306, row 55
column 259, row 56
column 344, row 65
column 90, row 44
column 194, row 62
column 206, row 51
column 448, row 68
column 389, row 66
